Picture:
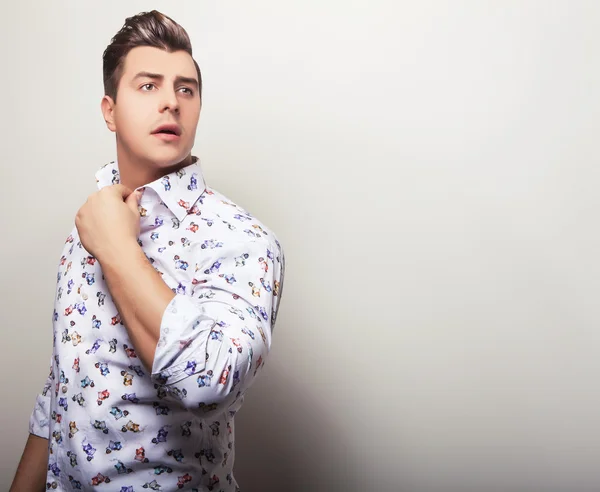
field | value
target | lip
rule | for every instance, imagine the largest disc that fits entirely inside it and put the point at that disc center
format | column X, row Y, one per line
column 166, row 137
column 173, row 127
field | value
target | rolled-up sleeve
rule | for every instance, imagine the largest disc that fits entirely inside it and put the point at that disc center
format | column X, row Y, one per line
column 39, row 418
column 214, row 340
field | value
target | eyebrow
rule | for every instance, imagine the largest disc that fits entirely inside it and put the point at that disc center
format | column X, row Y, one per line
column 158, row 76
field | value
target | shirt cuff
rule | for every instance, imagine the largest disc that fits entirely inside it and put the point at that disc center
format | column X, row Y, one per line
column 181, row 347
column 38, row 421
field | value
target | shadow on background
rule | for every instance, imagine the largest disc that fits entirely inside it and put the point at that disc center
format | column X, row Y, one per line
column 287, row 442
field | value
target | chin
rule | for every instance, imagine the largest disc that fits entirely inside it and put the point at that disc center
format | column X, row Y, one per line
column 168, row 159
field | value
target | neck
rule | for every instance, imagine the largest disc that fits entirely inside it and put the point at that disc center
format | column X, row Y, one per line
column 135, row 172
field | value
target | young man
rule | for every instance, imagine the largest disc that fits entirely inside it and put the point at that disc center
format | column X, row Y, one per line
column 166, row 299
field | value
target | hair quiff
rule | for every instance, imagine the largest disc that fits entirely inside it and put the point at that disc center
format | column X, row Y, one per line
column 145, row 29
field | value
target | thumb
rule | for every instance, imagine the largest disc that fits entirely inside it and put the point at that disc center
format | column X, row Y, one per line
column 133, row 200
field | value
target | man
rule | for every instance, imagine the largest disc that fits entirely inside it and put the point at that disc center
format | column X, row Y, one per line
column 166, row 300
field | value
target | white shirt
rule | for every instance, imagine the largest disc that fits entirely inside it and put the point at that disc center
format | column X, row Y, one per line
column 109, row 421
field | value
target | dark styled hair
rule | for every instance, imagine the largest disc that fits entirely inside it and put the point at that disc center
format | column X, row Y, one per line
column 145, row 29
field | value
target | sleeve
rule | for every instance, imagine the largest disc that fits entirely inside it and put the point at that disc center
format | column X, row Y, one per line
column 214, row 341
column 39, row 418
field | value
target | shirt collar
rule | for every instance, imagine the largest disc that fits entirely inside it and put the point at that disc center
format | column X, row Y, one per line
column 178, row 190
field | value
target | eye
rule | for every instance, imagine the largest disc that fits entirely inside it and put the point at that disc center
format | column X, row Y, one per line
column 148, row 84
column 189, row 91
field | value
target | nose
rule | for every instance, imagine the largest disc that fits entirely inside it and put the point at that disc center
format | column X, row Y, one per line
column 169, row 102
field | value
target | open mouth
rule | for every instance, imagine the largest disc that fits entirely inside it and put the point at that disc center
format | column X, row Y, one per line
column 169, row 129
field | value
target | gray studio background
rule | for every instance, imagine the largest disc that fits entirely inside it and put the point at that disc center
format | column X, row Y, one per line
column 432, row 169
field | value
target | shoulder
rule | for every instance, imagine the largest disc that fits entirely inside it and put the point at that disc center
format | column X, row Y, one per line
column 236, row 224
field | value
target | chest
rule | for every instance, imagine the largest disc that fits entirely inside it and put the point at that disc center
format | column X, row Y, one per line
column 84, row 309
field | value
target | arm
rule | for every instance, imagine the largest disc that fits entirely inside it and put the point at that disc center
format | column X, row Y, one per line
column 210, row 343
column 141, row 309
column 214, row 342
column 32, row 469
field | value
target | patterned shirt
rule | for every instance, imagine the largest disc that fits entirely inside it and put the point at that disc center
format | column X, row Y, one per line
column 112, row 423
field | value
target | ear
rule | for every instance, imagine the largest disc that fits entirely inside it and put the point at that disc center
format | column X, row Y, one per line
column 107, row 106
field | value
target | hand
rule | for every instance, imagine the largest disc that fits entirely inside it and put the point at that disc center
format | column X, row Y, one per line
column 109, row 220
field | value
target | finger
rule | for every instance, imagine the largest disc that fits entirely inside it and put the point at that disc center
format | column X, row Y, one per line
column 133, row 200
column 132, row 204
column 122, row 189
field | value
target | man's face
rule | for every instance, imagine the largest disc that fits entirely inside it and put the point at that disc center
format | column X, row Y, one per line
column 156, row 88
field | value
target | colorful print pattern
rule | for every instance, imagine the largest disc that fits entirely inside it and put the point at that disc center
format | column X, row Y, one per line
column 113, row 424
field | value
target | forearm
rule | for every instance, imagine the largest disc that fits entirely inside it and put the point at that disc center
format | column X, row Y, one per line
column 140, row 294
column 31, row 472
